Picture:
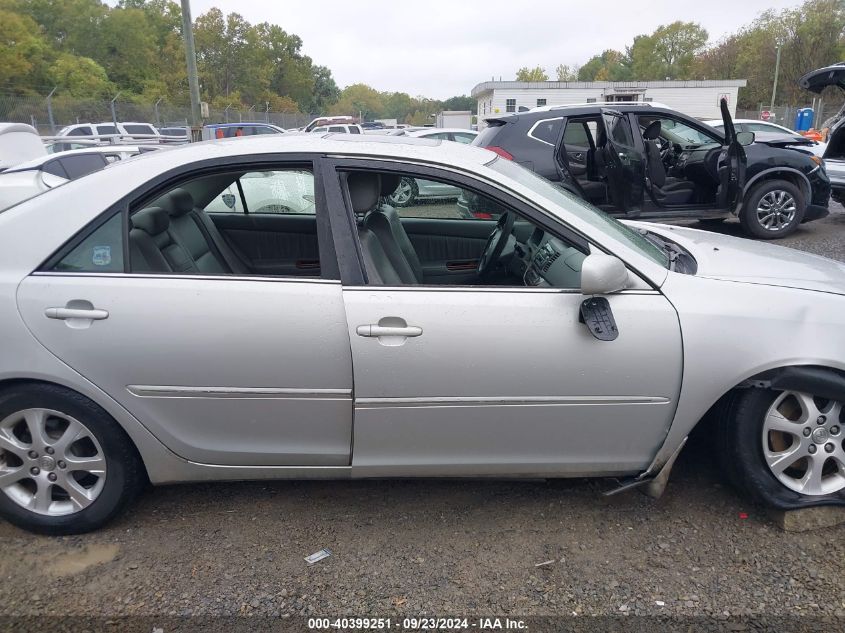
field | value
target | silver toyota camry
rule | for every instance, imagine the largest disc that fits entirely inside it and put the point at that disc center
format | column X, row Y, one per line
column 164, row 320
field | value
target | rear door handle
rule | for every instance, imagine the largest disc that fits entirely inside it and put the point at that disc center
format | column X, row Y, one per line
column 76, row 313
column 385, row 330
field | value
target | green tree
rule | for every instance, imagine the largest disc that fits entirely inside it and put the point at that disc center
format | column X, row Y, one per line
column 565, row 72
column 676, row 46
column 611, row 65
column 23, row 52
column 461, row 103
column 531, row 74
column 360, row 98
column 80, row 77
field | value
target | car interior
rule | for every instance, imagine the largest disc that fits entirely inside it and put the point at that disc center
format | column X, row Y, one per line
column 681, row 164
column 185, row 231
column 264, row 223
column 508, row 251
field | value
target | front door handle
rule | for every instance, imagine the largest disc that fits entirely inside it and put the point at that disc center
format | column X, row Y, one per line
column 386, row 330
column 76, row 313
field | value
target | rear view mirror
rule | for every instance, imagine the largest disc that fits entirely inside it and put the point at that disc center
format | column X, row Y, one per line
column 603, row 274
column 745, row 138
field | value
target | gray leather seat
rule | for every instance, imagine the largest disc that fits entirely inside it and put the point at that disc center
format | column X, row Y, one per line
column 364, row 189
column 189, row 228
column 152, row 247
column 385, row 223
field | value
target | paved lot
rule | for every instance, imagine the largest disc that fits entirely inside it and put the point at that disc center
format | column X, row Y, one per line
column 439, row 547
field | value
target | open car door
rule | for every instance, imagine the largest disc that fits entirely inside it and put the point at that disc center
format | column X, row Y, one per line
column 624, row 163
column 731, row 166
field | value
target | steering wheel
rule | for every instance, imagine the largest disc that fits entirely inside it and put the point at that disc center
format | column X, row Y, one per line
column 665, row 149
column 496, row 244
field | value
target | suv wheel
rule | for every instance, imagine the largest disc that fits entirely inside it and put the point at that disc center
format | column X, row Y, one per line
column 784, row 447
column 772, row 209
column 66, row 466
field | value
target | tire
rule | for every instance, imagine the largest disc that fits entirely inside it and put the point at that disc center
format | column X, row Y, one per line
column 406, row 193
column 740, row 435
column 100, row 439
column 782, row 196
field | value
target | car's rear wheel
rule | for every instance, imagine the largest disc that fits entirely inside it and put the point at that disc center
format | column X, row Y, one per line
column 405, row 194
column 66, row 466
column 784, row 448
column 772, row 209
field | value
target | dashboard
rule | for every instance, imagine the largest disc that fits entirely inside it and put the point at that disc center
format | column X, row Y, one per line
column 698, row 164
column 546, row 261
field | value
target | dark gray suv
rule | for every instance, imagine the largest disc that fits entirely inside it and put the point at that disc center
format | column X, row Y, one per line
column 653, row 163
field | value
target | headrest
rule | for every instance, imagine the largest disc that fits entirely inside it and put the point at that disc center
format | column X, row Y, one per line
column 364, row 189
column 152, row 220
column 181, row 202
column 389, row 182
column 652, row 131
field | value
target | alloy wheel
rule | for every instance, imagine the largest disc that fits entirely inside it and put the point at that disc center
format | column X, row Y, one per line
column 50, row 462
column 802, row 443
column 776, row 210
column 403, row 193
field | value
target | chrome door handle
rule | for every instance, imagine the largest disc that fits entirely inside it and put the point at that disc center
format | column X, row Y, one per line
column 76, row 313
column 385, row 330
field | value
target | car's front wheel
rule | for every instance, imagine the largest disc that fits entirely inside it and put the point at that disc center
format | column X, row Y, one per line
column 772, row 209
column 784, row 448
column 66, row 467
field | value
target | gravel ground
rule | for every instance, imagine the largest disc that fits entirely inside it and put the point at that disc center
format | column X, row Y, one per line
column 439, row 547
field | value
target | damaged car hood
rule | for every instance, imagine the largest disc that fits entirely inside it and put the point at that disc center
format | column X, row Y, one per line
column 755, row 262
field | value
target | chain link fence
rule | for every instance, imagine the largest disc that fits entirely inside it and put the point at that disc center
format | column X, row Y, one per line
column 785, row 115
column 48, row 116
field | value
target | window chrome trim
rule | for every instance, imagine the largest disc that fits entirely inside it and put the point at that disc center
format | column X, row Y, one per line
column 530, row 134
column 507, row 289
column 270, row 278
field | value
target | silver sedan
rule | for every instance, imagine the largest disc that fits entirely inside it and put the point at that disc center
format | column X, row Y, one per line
column 150, row 333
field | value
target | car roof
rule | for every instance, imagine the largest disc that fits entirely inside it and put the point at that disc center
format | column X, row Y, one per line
column 435, row 130
column 610, row 106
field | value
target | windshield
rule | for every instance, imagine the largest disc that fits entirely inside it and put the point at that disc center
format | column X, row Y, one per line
column 683, row 134
column 583, row 210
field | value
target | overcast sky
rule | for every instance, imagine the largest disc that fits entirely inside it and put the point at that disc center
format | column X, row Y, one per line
column 440, row 48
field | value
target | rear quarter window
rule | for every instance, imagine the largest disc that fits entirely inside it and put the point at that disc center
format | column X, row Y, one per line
column 487, row 135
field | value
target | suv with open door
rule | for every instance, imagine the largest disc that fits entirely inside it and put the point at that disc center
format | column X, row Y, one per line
column 834, row 155
column 652, row 163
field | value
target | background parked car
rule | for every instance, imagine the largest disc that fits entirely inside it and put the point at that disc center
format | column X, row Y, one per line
column 129, row 128
column 19, row 143
column 233, row 130
column 411, row 190
column 613, row 157
column 834, row 155
column 28, row 179
column 338, row 128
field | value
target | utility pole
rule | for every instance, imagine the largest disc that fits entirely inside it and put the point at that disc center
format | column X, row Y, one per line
column 158, row 118
column 114, row 112
column 191, row 59
column 50, row 112
column 775, row 85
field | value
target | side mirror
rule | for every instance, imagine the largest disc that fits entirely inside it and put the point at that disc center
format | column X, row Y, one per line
column 745, row 138
column 603, row 274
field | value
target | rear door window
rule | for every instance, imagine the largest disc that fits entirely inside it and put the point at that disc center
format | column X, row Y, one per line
column 289, row 191
column 106, row 129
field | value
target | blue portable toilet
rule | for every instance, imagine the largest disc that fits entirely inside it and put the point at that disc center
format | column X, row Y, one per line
column 804, row 119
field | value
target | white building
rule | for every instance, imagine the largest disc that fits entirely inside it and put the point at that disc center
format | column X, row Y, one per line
column 699, row 99
column 455, row 118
